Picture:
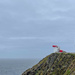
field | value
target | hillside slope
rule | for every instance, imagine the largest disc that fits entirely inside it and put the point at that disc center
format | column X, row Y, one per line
column 54, row 64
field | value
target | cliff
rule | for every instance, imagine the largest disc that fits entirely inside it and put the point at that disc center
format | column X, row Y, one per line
column 54, row 64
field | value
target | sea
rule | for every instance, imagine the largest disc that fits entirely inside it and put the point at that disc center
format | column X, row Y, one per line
column 16, row 66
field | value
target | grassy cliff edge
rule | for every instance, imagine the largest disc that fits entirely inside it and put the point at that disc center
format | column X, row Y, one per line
column 54, row 64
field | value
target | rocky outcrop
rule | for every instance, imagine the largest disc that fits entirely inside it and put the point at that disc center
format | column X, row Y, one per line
column 54, row 64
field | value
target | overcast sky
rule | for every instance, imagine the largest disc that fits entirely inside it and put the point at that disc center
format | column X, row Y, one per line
column 29, row 28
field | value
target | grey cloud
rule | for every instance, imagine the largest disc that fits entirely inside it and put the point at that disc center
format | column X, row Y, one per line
column 36, row 24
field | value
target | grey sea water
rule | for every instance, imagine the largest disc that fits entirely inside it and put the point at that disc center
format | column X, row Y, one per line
column 16, row 66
